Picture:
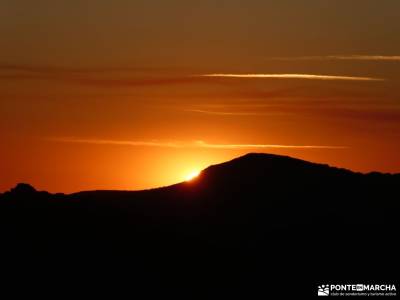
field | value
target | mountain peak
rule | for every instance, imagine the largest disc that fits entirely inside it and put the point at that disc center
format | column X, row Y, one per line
column 260, row 155
column 263, row 160
column 265, row 168
column 23, row 189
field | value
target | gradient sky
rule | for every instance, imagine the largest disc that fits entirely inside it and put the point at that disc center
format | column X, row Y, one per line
column 138, row 94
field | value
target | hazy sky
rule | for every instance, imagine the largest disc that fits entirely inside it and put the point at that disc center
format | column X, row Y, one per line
column 136, row 94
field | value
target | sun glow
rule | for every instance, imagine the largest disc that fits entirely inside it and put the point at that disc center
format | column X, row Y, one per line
column 192, row 175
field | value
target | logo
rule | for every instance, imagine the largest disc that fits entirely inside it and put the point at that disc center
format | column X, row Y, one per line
column 323, row 290
column 357, row 290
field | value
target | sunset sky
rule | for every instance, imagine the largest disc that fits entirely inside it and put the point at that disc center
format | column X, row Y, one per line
column 138, row 94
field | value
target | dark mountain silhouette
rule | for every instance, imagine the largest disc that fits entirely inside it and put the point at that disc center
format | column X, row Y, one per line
column 258, row 225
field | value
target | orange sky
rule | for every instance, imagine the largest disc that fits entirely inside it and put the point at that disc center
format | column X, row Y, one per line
column 127, row 95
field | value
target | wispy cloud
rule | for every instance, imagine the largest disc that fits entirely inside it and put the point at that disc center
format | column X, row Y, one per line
column 134, row 78
column 194, row 144
column 116, row 142
column 101, row 77
column 344, row 57
column 4, row 67
column 294, row 76
column 234, row 113
column 263, row 146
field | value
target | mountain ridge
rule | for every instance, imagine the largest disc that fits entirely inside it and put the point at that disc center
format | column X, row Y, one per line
column 286, row 219
column 233, row 163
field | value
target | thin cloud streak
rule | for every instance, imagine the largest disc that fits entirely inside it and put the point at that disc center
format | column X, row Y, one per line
column 232, row 113
column 344, row 57
column 95, row 77
column 116, row 142
column 262, row 146
column 195, row 144
column 69, row 70
column 294, row 76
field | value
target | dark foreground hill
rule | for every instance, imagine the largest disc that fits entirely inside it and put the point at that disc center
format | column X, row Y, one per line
column 258, row 225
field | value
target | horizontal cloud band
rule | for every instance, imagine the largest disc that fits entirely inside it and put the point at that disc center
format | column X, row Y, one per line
column 132, row 78
column 294, row 76
column 195, row 144
column 344, row 57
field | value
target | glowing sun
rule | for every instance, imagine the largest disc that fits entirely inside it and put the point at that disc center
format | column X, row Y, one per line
column 192, row 175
